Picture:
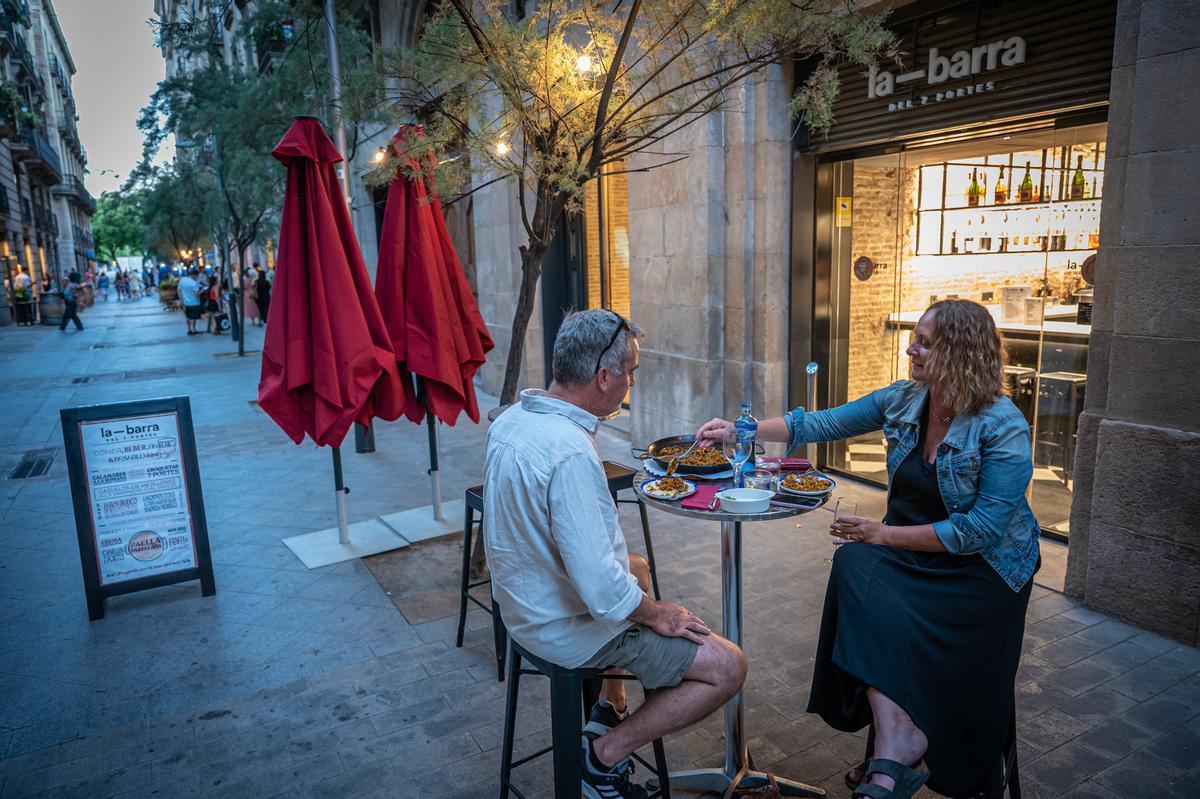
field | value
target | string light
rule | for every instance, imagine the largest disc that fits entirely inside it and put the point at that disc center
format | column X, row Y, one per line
column 502, row 148
column 380, row 154
column 584, row 64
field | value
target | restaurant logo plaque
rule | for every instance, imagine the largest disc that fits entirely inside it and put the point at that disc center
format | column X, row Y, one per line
column 135, row 484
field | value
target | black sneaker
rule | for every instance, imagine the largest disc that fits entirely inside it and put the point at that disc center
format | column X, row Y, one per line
column 614, row 784
column 603, row 718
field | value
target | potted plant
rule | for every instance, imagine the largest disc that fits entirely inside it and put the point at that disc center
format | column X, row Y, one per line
column 168, row 292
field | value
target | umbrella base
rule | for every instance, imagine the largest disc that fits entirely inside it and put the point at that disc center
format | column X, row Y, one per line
column 418, row 524
column 322, row 548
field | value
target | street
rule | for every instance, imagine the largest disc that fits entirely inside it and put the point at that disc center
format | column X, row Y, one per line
column 290, row 682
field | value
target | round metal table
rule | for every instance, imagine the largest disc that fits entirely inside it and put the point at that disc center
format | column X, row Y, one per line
column 718, row 780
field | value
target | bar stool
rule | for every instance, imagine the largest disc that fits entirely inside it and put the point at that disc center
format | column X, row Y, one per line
column 619, row 479
column 474, row 504
column 572, row 692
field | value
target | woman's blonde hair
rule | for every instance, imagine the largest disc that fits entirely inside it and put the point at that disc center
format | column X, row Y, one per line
column 967, row 356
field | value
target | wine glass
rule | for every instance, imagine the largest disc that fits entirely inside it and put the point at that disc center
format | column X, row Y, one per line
column 738, row 450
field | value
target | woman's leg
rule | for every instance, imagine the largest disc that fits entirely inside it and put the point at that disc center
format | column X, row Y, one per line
column 896, row 737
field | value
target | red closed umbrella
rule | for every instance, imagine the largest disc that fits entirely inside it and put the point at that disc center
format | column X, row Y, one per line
column 433, row 321
column 327, row 359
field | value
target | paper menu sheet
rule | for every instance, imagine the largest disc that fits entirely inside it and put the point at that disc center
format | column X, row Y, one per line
column 137, row 497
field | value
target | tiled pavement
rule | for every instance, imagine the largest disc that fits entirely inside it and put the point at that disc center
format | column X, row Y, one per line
column 298, row 683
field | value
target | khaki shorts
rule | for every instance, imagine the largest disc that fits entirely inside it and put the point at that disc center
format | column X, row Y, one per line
column 656, row 660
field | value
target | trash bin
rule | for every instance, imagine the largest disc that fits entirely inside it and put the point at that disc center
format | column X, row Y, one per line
column 52, row 308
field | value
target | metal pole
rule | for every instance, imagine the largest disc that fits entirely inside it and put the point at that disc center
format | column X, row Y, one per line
column 435, row 477
column 364, row 437
column 811, row 405
column 731, row 623
column 340, row 492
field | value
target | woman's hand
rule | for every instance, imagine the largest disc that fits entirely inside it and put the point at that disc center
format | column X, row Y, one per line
column 714, row 431
column 848, row 529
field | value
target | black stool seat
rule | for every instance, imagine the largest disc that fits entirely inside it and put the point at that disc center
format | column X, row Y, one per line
column 619, row 479
column 572, row 693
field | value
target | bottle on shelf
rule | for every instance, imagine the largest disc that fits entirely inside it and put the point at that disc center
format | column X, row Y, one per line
column 1078, row 182
column 1001, row 190
column 953, row 242
column 1025, row 192
column 973, row 190
column 1094, row 195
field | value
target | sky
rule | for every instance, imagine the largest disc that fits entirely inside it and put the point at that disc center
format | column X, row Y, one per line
column 117, row 69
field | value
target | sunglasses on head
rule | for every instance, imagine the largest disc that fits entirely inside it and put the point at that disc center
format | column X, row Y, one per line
column 621, row 325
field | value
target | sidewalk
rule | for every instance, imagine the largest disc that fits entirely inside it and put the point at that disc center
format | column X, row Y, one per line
column 312, row 684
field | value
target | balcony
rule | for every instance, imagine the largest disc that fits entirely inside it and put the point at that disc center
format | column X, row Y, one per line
column 34, row 148
column 73, row 188
column 45, row 219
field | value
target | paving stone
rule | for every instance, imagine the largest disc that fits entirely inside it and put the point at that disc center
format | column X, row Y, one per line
column 1097, row 705
column 1050, row 730
column 1090, row 790
column 1065, row 767
column 1140, row 774
column 1163, row 714
column 1116, row 737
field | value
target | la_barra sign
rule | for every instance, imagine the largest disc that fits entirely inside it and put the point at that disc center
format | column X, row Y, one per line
column 940, row 68
column 139, row 510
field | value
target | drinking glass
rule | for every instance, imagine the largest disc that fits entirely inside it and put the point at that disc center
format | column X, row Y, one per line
column 759, row 478
column 738, row 451
column 844, row 507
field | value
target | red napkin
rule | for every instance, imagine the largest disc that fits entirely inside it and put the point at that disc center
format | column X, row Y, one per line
column 789, row 464
column 702, row 498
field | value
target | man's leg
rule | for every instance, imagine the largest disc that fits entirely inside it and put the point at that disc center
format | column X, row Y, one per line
column 613, row 691
column 714, row 676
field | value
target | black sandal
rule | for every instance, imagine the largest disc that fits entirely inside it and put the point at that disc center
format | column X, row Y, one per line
column 908, row 781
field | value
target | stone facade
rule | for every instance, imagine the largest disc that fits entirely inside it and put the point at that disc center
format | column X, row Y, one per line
column 1135, row 544
column 45, row 210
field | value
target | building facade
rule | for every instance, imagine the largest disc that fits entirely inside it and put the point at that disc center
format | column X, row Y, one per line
column 1021, row 156
column 45, row 206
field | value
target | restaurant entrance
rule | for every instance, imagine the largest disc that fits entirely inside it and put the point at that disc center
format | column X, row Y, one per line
column 1010, row 221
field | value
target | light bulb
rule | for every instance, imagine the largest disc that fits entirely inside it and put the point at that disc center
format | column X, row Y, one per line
column 380, row 155
column 502, row 148
column 584, row 64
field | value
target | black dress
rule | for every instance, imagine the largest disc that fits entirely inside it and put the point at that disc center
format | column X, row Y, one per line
column 938, row 634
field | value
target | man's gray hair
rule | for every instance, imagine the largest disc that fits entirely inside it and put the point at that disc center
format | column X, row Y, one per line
column 582, row 337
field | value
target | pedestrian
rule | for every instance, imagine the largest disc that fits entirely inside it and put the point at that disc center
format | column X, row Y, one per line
column 250, row 296
column 190, row 294
column 102, row 285
column 70, row 304
column 23, row 297
column 212, row 305
column 262, row 293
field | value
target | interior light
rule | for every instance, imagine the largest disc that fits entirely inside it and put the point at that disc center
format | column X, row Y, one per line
column 502, row 148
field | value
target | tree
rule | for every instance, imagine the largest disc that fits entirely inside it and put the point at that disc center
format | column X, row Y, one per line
column 117, row 224
column 227, row 119
column 552, row 99
column 177, row 210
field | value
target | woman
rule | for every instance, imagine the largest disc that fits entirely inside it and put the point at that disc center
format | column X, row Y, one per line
column 250, row 295
column 262, row 292
column 924, row 612
column 212, row 305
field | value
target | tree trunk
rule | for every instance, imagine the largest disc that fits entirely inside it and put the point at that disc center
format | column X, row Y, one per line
column 531, row 270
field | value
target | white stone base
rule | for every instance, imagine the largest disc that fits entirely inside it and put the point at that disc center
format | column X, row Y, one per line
column 322, row 548
column 418, row 524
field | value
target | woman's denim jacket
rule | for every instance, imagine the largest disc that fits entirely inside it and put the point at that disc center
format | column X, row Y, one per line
column 983, row 468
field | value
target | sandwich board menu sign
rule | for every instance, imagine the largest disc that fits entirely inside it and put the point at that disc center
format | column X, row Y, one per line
column 135, row 485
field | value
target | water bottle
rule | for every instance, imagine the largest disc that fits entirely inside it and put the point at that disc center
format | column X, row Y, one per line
column 746, row 425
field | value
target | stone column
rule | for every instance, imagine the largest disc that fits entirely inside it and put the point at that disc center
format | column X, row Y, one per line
column 1135, row 536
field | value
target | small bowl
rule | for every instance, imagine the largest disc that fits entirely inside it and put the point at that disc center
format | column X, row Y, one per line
column 745, row 500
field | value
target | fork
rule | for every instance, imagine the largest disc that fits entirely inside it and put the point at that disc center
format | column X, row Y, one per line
column 675, row 459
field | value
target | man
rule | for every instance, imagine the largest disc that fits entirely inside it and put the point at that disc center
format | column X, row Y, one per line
column 70, row 304
column 561, row 572
column 189, row 295
column 23, row 297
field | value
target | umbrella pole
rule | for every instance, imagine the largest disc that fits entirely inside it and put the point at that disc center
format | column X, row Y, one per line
column 341, row 491
column 434, row 477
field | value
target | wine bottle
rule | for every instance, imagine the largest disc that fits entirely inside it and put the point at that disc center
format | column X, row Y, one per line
column 953, row 241
column 973, row 190
column 1001, row 190
column 1093, row 188
column 1078, row 183
column 1025, row 193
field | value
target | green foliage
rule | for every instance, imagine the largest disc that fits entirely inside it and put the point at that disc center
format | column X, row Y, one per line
column 178, row 209
column 226, row 120
column 117, row 224
column 580, row 85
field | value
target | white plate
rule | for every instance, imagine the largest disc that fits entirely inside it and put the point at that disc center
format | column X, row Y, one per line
column 832, row 485
column 648, row 491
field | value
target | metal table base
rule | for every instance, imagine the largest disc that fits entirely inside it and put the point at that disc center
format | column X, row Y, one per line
column 717, row 780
